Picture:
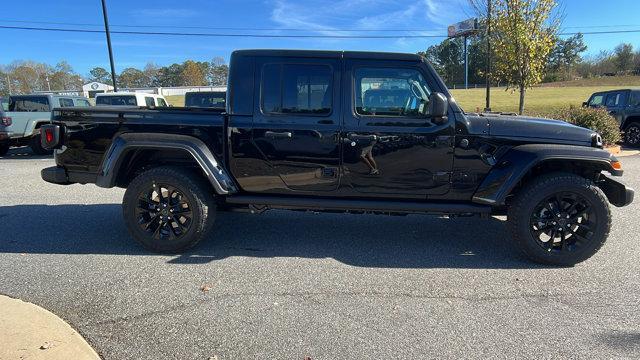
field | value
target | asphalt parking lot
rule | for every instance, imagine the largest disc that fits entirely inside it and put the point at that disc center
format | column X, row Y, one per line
column 285, row 285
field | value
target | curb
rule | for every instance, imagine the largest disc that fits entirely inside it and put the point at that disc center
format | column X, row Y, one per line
column 28, row 331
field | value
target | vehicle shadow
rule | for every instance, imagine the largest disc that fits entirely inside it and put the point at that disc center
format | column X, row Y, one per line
column 413, row 241
column 23, row 152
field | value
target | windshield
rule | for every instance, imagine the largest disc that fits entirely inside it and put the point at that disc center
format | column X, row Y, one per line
column 122, row 100
column 206, row 99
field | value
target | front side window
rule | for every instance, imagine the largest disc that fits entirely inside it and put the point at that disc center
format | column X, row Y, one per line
column 297, row 89
column 596, row 100
column 390, row 92
column 634, row 99
column 149, row 101
column 161, row 102
column 82, row 102
column 64, row 102
column 29, row 104
column 616, row 99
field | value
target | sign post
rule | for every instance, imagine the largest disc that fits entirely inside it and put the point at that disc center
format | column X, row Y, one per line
column 464, row 29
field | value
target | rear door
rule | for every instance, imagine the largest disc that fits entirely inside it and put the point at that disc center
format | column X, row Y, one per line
column 296, row 125
column 391, row 149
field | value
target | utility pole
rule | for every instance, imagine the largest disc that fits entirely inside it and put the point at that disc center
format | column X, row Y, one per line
column 106, row 30
column 466, row 64
column 488, row 74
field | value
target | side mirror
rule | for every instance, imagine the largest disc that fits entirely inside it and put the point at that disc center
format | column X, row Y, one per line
column 585, row 104
column 438, row 108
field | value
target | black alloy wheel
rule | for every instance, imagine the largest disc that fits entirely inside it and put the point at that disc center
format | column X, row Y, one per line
column 163, row 212
column 632, row 134
column 563, row 222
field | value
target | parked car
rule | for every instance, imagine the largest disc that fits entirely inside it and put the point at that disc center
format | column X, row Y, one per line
column 419, row 154
column 130, row 99
column 29, row 112
column 624, row 105
column 210, row 99
column 5, row 134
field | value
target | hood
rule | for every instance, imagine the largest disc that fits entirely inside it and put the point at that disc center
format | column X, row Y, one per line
column 540, row 129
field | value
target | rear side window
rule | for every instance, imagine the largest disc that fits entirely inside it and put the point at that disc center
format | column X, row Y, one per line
column 297, row 89
column 596, row 100
column 124, row 100
column 206, row 99
column 149, row 101
column 29, row 104
column 64, row 102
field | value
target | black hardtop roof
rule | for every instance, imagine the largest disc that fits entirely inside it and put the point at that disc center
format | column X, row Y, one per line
column 330, row 54
column 616, row 90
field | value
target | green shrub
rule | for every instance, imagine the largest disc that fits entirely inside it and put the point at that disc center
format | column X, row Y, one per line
column 596, row 119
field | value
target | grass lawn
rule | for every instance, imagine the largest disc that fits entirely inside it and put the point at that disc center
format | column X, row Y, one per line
column 539, row 100
column 175, row 100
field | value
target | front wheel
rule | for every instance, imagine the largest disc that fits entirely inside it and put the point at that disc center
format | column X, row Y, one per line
column 168, row 209
column 560, row 219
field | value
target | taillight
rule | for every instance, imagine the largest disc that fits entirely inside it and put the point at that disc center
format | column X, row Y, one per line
column 48, row 133
column 50, row 136
column 6, row 121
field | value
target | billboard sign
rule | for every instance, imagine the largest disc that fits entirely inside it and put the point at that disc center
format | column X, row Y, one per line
column 463, row 28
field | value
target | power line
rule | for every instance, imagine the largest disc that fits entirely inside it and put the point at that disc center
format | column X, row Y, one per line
column 221, row 28
column 223, row 34
column 279, row 36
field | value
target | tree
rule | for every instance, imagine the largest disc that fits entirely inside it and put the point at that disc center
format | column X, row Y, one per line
column 564, row 57
column 623, row 57
column 193, row 74
column 151, row 73
column 523, row 36
column 100, row 75
column 131, row 78
column 169, row 75
column 64, row 78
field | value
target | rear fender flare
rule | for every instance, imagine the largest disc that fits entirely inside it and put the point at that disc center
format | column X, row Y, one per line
column 516, row 163
column 124, row 143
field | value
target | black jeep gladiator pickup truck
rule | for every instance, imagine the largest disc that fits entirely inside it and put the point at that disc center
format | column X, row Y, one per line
column 341, row 131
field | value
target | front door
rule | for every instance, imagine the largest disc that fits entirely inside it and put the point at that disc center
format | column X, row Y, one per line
column 616, row 102
column 391, row 147
column 296, row 125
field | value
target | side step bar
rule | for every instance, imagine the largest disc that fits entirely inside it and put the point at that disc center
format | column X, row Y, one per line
column 296, row 203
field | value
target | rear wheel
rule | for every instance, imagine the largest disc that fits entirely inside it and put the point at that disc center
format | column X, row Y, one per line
column 168, row 209
column 36, row 146
column 560, row 219
column 632, row 134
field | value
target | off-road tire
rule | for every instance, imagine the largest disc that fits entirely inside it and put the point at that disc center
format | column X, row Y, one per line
column 191, row 185
column 36, row 146
column 536, row 191
column 631, row 134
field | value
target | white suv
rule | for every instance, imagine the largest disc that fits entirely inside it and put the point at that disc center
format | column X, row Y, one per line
column 131, row 99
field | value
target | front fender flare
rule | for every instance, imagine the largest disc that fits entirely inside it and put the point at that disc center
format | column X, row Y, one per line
column 514, row 165
column 122, row 144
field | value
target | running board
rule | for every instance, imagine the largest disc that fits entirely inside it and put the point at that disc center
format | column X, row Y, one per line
column 297, row 203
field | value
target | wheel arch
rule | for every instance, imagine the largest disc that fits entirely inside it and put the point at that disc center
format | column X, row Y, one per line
column 525, row 162
column 130, row 153
column 630, row 120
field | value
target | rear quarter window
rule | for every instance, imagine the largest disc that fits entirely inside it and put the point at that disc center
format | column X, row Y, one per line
column 29, row 104
column 149, row 101
column 82, row 102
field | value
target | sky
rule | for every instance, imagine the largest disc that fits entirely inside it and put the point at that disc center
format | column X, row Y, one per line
column 280, row 17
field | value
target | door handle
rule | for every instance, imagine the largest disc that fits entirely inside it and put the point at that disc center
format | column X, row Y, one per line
column 278, row 135
column 362, row 137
